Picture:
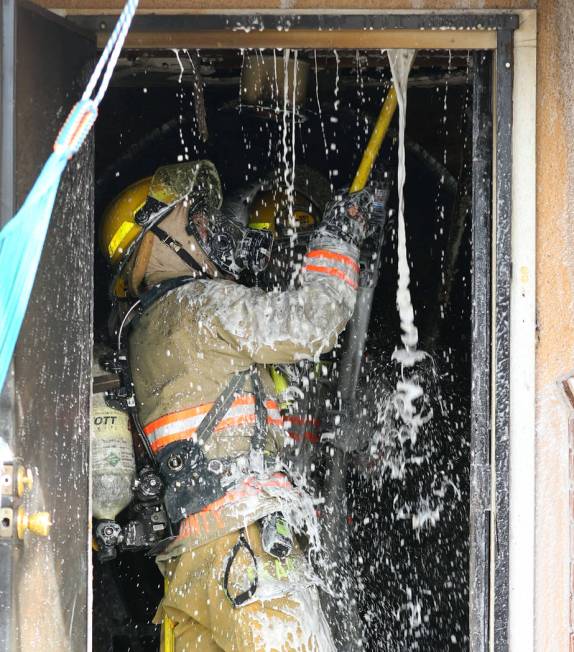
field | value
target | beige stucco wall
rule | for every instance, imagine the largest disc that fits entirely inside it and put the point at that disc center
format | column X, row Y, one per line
column 555, row 293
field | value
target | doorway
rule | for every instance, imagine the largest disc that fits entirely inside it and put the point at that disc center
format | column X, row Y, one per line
column 469, row 535
column 410, row 499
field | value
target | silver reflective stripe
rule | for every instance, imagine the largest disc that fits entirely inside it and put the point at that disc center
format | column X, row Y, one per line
column 192, row 423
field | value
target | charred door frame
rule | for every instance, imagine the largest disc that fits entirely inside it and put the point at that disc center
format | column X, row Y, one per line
column 500, row 321
column 182, row 22
column 490, row 406
column 490, row 398
column 480, row 454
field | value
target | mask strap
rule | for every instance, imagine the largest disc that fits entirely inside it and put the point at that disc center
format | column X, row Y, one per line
column 177, row 248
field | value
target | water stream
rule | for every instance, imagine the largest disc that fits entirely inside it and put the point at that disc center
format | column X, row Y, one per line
column 405, row 402
column 401, row 62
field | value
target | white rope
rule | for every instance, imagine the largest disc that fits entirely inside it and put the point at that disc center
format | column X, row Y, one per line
column 109, row 57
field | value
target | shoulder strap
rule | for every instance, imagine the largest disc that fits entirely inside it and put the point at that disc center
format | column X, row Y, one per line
column 223, row 403
column 260, row 432
column 155, row 293
column 220, row 407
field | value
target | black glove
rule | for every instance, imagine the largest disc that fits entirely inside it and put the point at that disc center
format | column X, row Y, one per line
column 347, row 218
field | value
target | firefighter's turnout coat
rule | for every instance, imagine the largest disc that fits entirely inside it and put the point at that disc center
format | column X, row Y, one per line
column 184, row 351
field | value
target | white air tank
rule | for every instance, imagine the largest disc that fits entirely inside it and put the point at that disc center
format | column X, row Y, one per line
column 112, row 454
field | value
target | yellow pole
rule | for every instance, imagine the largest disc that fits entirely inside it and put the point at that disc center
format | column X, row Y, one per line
column 375, row 141
column 167, row 629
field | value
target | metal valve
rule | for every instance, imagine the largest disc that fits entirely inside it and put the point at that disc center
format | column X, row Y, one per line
column 38, row 523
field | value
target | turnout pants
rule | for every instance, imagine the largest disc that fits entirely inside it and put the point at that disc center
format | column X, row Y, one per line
column 283, row 615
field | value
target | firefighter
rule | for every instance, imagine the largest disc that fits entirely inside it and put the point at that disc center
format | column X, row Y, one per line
column 236, row 578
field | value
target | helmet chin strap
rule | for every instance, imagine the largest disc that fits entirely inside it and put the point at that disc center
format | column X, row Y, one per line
column 200, row 267
column 177, row 248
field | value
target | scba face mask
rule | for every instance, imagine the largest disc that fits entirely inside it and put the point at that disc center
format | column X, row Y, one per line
column 230, row 245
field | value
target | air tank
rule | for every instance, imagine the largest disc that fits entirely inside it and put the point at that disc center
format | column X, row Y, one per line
column 112, row 454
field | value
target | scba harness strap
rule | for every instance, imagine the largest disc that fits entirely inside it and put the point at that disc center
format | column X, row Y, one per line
column 176, row 442
column 192, row 481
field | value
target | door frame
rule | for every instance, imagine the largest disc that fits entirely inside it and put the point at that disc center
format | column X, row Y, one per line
column 511, row 36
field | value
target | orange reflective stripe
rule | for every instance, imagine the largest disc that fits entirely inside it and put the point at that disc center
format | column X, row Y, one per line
column 205, row 521
column 274, row 417
column 190, row 526
column 235, row 421
column 169, row 439
column 248, row 399
column 232, row 422
column 307, row 421
column 332, row 271
column 177, row 416
column 192, row 412
column 218, row 519
column 251, row 487
column 182, row 425
column 341, row 258
column 312, row 437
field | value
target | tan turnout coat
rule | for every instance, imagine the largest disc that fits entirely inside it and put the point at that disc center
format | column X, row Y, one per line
column 186, row 347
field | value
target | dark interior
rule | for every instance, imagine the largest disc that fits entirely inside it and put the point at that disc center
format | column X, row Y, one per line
column 408, row 517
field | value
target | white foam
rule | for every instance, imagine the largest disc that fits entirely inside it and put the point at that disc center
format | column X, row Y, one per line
column 401, row 62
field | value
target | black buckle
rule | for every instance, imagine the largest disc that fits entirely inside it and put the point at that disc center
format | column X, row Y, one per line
column 191, row 482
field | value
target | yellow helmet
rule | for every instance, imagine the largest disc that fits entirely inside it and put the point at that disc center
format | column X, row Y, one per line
column 119, row 228
column 268, row 211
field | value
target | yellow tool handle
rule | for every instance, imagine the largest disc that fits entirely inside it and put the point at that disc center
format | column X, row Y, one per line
column 375, row 141
column 167, row 629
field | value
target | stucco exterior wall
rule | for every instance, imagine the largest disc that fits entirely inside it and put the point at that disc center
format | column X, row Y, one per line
column 555, row 299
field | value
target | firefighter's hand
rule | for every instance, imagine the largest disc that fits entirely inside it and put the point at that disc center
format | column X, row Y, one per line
column 347, row 217
column 356, row 206
column 378, row 208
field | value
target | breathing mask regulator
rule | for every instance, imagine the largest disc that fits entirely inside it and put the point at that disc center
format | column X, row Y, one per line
column 233, row 247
